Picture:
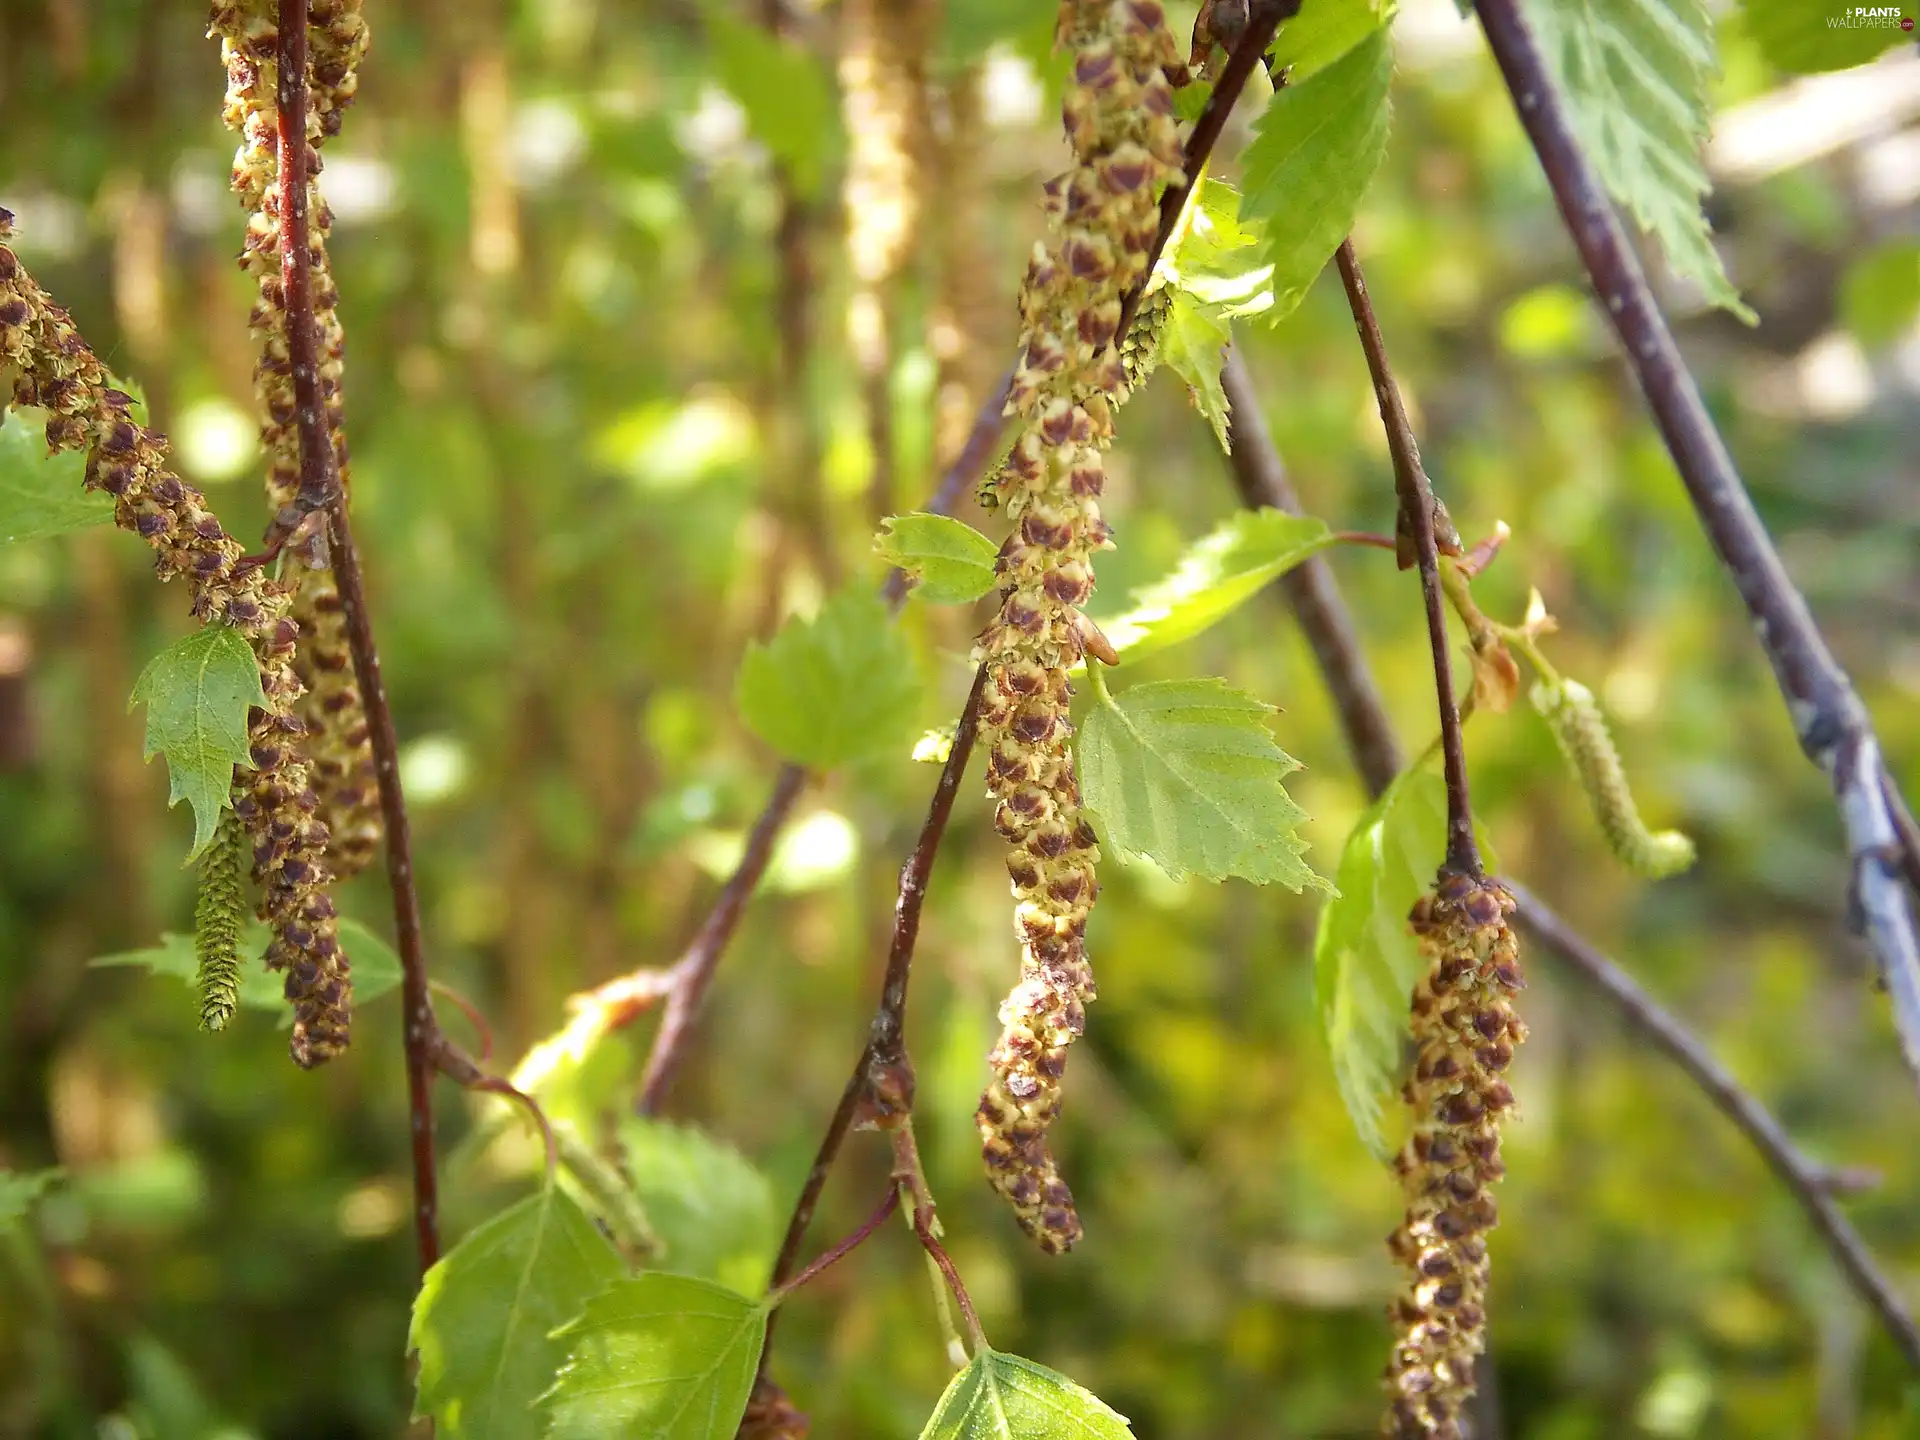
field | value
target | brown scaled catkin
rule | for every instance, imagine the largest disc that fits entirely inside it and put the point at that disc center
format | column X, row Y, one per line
column 336, row 743
column 127, row 461
column 1118, row 111
column 1465, row 1030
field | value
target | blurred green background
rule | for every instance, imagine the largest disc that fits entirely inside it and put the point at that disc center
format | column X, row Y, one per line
column 586, row 474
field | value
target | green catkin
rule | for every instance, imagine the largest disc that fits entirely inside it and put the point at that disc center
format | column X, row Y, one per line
column 1574, row 716
column 1465, row 1030
column 1118, row 110
column 219, row 915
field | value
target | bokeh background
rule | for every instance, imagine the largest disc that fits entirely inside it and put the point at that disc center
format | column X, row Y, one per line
column 595, row 454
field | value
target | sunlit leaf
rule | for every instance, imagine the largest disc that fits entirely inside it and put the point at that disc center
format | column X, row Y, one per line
column 1214, row 255
column 1003, row 1397
column 41, row 494
column 1635, row 74
column 657, row 1357
column 836, row 688
column 376, row 969
column 1216, row 576
column 1192, row 346
column 1311, row 160
column 1186, row 773
column 197, row 692
column 951, row 562
column 711, row 1207
column 1323, row 32
column 483, row 1322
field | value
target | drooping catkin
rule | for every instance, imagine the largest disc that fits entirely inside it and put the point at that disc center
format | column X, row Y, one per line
column 1581, row 730
column 1118, row 111
column 219, row 915
column 273, row 798
column 336, row 743
column 1465, row 1031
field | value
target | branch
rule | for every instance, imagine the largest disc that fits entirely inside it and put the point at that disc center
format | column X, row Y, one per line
column 1417, row 513
column 1323, row 617
column 1809, row 1182
column 1830, row 722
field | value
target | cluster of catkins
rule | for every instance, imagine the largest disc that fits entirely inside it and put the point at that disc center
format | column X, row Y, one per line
column 336, row 744
column 58, row 372
column 1119, row 120
column 1465, row 1029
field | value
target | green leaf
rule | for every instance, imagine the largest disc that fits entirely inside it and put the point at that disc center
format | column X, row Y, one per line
column 790, row 103
column 1185, row 773
column 837, row 688
column 18, row 1191
column 1313, row 155
column 1191, row 346
column 197, row 692
column 1635, row 75
column 1214, row 254
column 483, row 1321
column 1323, row 32
column 376, row 969
column 1216, row 576
column 711, row 1208
column 1003, row 1397
column 1880, row 293
column 950, row 562
column 41, row 494
column 1804, row 37
column 657, row 1357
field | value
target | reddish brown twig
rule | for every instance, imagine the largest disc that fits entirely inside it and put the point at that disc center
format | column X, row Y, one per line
column 888, row 1204
column 482, row 1031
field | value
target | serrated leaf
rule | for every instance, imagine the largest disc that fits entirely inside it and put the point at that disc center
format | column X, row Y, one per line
column 950, row 562
column 711, row 1207
column 484, row 1319
column 197, row 692
column 1635, row 75
column 1214, row 254
column 18, row 1191
column 1191, row 346
column 1186, row 773
column 1218, row 574
column 376, row 969
column 1322, row 32
column 1313, row 155
column 657, row 1357
column 836, row 688
column 1365, row 959
column 41, row 494
column 1803, row 37
column 788, row 99
column 1004, row 1397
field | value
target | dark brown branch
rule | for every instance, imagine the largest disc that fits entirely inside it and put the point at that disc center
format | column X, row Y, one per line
column 1417, row 513
column 1363, row 719
column 1810, row 1183
column 1828, row 718
column 318, row 478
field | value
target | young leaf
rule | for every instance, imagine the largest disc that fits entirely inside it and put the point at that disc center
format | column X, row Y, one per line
column 18, row 1191
column 1191, row 347
column 376, row 969
column 1185, row 773
column 484, row 1319
column 197, row 692
column 1635, row 75
column 711, row 1208
column 1003, row 1397
column 1802, row 37
column 41, row 494
column 836, row 688
column 951, row 563
column 787, row 97
column 1214, row 254
column 1311, row 160
column 1322, row 32
column 657, row 1357
column 1217, row 575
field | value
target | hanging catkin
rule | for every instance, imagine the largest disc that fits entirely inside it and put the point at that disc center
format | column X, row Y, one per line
column 219, row 915
column 1119, row 119
column 1465, row 1030
column 1581, row 731
column 336, row 743
column 273, row 799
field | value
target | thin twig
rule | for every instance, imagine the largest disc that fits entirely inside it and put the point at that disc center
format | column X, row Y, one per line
column 908, row 1171
column 1832, row 725
column 1416, row 507
column 1809, row 1182
column 318, row 477
column 1324, row 619
column 889, row 1203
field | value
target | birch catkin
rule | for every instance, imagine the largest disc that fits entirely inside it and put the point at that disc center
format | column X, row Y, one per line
column 219, row 915
column 1118, row 112
column 1581, row 732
